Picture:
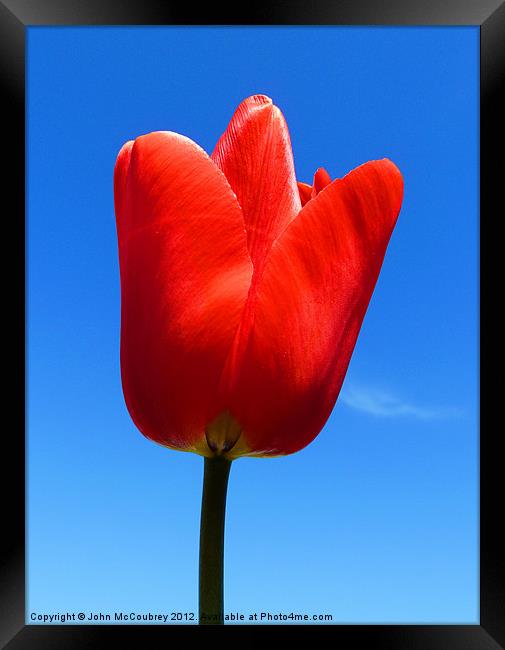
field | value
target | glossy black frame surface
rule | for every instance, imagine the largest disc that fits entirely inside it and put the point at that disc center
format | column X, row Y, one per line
column 15, row 17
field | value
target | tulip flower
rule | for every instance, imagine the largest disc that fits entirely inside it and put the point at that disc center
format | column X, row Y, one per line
column 242, row 295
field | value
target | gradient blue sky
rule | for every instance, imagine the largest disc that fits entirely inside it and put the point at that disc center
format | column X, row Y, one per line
column 377, row 520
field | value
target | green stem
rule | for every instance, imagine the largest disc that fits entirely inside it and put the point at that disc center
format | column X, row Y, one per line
column 215, row 483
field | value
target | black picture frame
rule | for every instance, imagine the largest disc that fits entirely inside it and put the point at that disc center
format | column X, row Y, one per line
column 15, row 17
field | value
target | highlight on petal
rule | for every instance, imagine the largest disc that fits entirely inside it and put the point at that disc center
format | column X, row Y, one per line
column 308, row 310
column 185, row 275
column 256, row 157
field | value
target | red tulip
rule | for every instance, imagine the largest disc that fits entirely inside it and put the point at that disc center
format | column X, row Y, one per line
column 243, row 291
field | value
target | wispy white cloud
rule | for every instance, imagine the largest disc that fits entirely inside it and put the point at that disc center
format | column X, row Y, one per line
column 383, row 404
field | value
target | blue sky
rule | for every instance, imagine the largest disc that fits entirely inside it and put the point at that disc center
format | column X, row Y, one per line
column 377, row 520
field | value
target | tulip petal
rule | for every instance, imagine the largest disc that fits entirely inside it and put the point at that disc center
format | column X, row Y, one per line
column 120, row 177
column 185, row 275
column 305, row 192
column 321, row 180
column 308, row 310
column 256, row 157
